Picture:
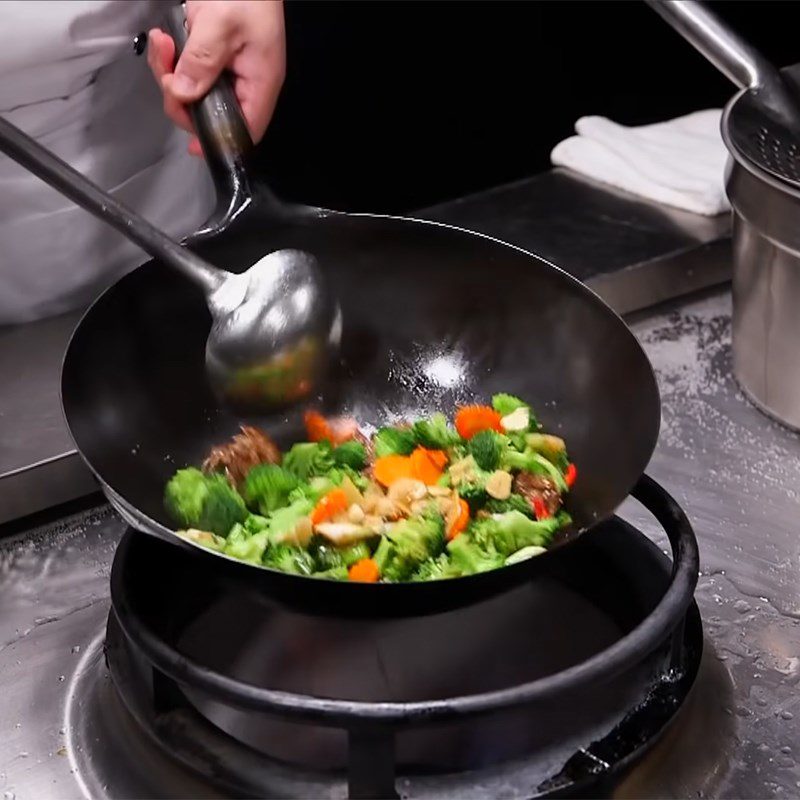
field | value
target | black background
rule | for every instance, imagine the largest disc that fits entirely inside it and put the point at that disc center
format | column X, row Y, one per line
column 395, row 105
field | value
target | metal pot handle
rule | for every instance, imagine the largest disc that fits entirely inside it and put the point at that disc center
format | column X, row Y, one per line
column 223, row 135
column 739, row 61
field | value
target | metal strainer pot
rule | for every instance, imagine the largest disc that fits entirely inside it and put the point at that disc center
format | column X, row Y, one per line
column 761, row 129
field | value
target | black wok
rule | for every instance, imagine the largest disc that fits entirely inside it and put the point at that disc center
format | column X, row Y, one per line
column 434, row 316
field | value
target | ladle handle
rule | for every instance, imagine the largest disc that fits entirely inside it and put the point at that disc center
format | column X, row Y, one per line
column 221, row 128
column 63, row 178
column 738, row 60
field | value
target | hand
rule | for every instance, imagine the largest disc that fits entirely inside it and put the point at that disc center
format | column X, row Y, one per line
column 243, row 36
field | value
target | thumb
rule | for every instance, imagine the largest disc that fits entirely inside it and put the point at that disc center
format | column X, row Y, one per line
column 207, row 52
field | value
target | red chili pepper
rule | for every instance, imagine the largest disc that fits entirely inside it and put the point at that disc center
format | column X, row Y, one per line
column 570, row 475
column 540, row 509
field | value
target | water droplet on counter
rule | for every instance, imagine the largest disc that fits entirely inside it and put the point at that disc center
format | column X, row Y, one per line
column 61, row 678
column 742, row 606
column 787, row 715
column 76, row 649
column 24, row 754
column 9, row 796
column 17, row 725
column 786, row 749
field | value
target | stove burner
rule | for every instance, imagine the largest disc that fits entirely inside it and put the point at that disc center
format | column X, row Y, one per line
column 488, row 700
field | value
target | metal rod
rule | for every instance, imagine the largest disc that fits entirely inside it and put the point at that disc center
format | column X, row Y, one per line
column 738, row 60
column 69, row 182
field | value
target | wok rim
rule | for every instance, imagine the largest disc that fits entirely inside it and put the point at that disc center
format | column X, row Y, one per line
column 147, row 524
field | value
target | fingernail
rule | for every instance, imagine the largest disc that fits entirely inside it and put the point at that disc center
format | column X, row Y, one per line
column 183, row 84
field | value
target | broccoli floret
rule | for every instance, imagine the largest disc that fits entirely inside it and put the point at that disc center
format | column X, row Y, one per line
column 327, row 557
column 338, row 474
column 534, row 463
column 474, row 492
column 486, row 447
column 393, row 441
column 255, row 524
column 288, row 558
column 505, row 404
column 185, row 495
column 468, row 557
column 433, row 569
column 458, row 451
column 312, row 490
column 205, row 502
column 434, row 433
column 308, row 459
column 514, row 502
column 355, row 552
column 223, row 507
column 333, row 574
column 247, row 548
column 283, row 521
column 552, row 448
column 509, row 532
column 267, row 487
column 351, row 454
column 408, row 543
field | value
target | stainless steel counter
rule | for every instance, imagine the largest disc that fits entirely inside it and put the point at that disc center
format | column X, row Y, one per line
column 633, row 253
column 736, row 473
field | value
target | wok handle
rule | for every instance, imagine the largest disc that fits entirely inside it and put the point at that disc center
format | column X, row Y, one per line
column 222, row 131
column 735, row 58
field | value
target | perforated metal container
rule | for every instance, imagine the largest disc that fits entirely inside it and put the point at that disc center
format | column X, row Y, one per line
column 766, row 270
column 761, row 129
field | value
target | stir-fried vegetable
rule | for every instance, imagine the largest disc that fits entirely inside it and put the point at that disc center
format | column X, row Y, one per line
column 421, row 501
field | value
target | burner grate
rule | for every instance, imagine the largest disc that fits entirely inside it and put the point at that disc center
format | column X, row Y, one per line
column 194, row 709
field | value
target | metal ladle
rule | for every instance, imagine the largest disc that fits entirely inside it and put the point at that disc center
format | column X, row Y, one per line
column 765, row 127
column 274, row 325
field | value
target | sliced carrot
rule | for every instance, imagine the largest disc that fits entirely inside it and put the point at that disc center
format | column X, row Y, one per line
column 335, row 430
column 317, row 427
column 472, row 419
column 461, row 521
column 388, row 469
column 365, row 570
column 570, row 475
column 438, row 457
column 427, row 465
column 331, row 504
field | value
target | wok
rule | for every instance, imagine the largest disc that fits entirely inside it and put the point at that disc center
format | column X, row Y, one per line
column 434, row 316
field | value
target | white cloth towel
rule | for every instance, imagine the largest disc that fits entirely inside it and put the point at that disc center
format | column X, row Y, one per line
column 680, row 162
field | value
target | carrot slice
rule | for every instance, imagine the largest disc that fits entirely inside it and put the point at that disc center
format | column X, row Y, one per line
column 461, row 521
column 472, row 419
column 331, row 504
column 388, row 469
column 427, row 464
column 317, row 427
column 365, row 570
column 335, row 430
